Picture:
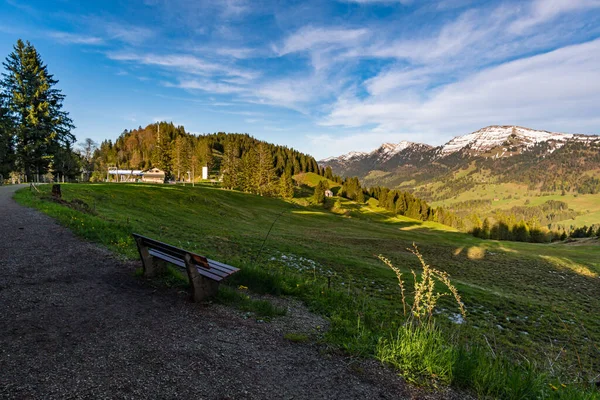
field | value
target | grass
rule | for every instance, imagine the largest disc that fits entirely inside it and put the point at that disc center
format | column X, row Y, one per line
column 533, row 304
column 296, row 337
column 242, row 301
column 507, row 195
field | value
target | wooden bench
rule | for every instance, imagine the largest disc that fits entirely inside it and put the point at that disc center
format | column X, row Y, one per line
column 204, row 274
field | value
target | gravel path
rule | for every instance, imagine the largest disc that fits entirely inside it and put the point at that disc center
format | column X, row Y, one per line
column 75, row 323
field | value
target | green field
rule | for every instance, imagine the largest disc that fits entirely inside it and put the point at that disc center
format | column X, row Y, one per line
column 507, row 195
column 534, row 302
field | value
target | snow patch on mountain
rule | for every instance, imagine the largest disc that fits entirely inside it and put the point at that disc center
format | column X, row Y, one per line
column 493, row 136
column 353, row 155
column 381, row 154
column 389, row 150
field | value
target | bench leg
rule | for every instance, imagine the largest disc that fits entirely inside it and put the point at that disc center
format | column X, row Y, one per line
column 152, row 267
column 202, row 287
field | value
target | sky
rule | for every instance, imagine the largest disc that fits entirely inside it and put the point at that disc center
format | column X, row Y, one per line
column 325, row 77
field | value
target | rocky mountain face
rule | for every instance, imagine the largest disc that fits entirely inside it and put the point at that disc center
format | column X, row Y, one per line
column 504, row 150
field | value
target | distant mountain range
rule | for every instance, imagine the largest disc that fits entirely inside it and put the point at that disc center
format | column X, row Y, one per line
column 509, row 153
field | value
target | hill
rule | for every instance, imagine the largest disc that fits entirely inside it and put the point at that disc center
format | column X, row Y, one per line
column 494, row 278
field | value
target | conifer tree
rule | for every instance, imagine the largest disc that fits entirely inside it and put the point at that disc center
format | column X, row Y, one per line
column 6, row 141
column 41, row 128
column 248, row 177
column 230, row 167
column 265, row 170
column 360, row 197
column 319, row 195
column 286, row 186
column 485, row 229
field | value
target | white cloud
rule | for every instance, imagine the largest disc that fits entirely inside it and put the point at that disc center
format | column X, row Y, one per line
column 207, row 86
column 239, row 53
column 73, row 38
column 542, row 11
column 126, row 33
column 183, row 62
column 405, row 2
column 542, row 91
column 309, row 38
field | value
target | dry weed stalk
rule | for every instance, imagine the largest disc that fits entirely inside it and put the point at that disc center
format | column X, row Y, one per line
column 399, row 276
column 425, row 296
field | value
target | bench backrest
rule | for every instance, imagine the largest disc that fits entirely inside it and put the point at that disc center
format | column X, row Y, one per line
column 173, row 251
column 208, row 268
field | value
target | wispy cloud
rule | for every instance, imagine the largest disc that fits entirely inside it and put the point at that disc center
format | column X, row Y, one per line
column 405, row 2
column 311, row 38
column 126, row 32
column 542, row 11
column 538, row 90
column 74, row 38
column 352, row 72
column 182, row 62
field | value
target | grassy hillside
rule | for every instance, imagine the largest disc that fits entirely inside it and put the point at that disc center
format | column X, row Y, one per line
column 536, row 302
column 504, row 196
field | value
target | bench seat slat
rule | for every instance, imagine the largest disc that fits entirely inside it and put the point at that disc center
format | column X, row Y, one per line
column 215, row 266
column 212, row 274
column 223, row 266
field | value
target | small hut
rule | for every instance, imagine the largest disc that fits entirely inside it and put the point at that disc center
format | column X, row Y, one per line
column 328, row 193
column 154, row 175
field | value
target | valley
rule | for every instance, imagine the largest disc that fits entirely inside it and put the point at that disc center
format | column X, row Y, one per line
column 506, row 165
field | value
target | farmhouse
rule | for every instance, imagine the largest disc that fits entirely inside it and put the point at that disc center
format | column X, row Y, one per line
column 328, row 193
column 154, row 175
column 124, row 175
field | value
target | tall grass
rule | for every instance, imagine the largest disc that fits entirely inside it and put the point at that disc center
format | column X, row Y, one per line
column 424, row 354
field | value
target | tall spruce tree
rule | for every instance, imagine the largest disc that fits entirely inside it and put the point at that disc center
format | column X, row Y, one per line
column 230, row 166
column 42, row 130
column 6, row 141
column 286, row 186
column 265, row 169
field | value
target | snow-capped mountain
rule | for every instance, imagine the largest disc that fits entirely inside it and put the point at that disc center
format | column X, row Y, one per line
column 388, row 154
column 353, row 155
column 493, row 136
column 511, row 146
column 381, row 154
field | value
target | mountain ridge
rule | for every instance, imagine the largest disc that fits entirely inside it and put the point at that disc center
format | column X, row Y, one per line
column 504, row 153
column 484, row 138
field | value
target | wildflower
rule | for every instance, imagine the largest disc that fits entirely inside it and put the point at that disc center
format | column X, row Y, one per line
column 242, row 287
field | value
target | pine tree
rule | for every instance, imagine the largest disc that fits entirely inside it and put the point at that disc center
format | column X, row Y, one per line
column 286, row 186
column 230, row 167
column 42, row 129
column 265, row 169
column 248, row 177
column 360, row 197
column 319, row 195
column 6, row 141
column 485, row 229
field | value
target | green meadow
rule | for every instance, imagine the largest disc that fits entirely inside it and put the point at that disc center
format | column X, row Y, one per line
column 536, row 304
column 507, row 195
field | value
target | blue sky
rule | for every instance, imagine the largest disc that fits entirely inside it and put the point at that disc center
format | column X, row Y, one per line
column 325, row 77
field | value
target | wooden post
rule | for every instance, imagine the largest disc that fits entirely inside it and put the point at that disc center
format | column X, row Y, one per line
column 202, row 287
column 147, row 259
column 56, row 193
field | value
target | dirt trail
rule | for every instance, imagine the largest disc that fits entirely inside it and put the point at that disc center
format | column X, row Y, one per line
column 75, row 323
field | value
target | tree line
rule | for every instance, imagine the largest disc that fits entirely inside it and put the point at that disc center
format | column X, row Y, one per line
column 35, row 131
column 238, row 160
